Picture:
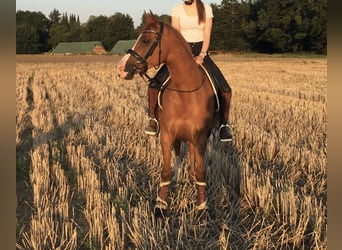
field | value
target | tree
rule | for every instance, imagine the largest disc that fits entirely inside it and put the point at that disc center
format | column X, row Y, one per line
column 274, row 20
column 217, row 33
column 227, row 32
column 109, row 30
column 65, row 19
column 120, row 27
column 261, row 25
column 315, row 20
column 290, row 26
column 58, row 33
column 65, row 29
column 36, row 21
column 27, row 39
column 96, row 28
column 55, row 16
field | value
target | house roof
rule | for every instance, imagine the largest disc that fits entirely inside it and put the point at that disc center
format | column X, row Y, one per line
column 122, row 46
column 76, row 47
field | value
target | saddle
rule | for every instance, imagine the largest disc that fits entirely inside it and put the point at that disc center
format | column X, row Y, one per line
column 162, row 79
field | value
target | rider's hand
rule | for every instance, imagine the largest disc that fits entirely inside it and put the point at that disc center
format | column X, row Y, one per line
column 199, row 59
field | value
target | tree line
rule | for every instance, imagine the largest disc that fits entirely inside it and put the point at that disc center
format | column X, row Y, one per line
column 267, row 26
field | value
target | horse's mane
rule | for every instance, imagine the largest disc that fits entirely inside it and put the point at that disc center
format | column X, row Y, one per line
column 181, row 38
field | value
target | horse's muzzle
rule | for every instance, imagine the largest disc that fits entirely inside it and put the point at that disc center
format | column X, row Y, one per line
column 130, row 71
column 129, row 76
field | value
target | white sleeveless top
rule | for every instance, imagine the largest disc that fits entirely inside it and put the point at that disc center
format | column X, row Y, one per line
column 189, row 27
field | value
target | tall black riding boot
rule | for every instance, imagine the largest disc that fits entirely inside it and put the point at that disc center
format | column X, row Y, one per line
column 225, row 130
column 152, row 127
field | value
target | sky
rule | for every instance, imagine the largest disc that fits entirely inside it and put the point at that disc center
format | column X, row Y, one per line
column 86, row 8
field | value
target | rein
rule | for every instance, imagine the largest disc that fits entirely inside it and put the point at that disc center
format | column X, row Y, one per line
column 141, row 63
column 187, row 91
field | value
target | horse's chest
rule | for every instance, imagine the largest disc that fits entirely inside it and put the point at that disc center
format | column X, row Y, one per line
column 186, row 108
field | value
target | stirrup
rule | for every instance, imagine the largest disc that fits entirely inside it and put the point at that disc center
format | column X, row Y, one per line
column 230, row 129
column 152, row 132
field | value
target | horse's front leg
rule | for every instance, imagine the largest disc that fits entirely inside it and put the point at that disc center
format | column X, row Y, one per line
column 176, row 147
column 192, row 161
column 201, row 205
column 161, row 202
column 199, row 152
column 200, row 185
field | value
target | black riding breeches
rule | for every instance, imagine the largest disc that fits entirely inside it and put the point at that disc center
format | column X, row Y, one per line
column 160, row 77
column 215, row 73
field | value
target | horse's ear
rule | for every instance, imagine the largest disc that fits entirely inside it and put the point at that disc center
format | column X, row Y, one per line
column 150, row 17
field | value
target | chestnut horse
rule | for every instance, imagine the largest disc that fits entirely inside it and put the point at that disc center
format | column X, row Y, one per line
column 188, row 112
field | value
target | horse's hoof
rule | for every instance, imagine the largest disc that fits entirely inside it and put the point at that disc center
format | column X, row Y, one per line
column 160, row 213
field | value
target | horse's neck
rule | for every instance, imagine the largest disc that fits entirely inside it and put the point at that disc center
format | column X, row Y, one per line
column 184, row 72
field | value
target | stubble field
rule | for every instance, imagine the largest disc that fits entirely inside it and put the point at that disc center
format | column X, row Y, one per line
column 87, row 175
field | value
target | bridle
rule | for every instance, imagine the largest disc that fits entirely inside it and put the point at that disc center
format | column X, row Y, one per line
column 141, row 63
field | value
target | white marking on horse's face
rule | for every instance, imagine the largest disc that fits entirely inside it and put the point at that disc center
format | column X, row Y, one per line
column 120, row 68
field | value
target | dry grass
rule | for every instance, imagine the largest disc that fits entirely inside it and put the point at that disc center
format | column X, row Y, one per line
column 93, row 174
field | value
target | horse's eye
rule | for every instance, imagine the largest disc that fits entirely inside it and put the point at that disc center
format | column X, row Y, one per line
column 145, row 40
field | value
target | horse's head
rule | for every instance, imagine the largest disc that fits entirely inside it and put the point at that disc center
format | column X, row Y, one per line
column 146, row 52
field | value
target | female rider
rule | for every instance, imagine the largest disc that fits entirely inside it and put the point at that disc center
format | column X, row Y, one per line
column 193, row 19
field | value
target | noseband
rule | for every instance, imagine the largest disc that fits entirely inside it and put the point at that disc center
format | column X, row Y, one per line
column 141, row 63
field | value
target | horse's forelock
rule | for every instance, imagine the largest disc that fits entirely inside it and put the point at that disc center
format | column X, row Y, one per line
column 151, row 20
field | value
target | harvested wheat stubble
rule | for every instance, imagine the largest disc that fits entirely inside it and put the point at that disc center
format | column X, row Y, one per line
column 93, row 174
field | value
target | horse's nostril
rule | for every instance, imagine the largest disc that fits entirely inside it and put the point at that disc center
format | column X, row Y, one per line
column 129, row 68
